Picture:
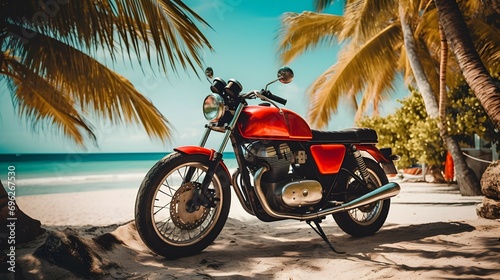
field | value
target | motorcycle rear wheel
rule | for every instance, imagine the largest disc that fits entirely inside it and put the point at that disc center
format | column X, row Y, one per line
column 368, row 219
column 162, row 215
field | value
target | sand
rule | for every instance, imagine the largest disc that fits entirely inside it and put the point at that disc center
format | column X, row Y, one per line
column 431, row 233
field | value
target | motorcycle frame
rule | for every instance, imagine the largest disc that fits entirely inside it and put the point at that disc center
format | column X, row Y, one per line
column 333, row 184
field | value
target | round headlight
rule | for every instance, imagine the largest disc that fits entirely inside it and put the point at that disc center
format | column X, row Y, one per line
column 213, row 107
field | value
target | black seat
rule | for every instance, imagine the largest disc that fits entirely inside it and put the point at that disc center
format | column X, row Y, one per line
column 348, row 135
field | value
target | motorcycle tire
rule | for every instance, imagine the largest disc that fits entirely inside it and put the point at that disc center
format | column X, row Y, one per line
column 368, row 219
column 162, row 218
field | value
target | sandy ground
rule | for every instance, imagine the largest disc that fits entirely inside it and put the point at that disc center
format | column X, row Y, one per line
column 431, row 233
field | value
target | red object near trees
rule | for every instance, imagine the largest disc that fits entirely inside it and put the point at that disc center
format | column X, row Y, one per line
column 449, row 168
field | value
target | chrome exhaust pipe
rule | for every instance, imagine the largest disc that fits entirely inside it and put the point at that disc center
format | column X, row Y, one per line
column 239, row 193
column 386, row 191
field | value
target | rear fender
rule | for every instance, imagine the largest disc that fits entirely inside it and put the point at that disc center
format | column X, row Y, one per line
column 375, row 153
column 385, row 161
column 193, row 150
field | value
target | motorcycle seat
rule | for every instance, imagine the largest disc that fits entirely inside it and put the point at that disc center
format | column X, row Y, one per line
column 348, row 135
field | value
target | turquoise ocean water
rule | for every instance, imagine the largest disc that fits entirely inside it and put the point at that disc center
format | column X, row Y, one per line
column 37, row 174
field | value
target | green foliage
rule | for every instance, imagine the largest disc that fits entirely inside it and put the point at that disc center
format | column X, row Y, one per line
column 415, row 137
column 466, row 117
column 410, row 133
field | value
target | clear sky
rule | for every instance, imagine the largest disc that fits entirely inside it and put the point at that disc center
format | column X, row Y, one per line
column 244, row 39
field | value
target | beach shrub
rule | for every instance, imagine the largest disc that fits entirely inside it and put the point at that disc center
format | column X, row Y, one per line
column 415, row 137
column 409, row 132
column 466, row 117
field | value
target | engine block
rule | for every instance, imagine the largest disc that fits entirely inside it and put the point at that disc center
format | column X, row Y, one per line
column 277, row 156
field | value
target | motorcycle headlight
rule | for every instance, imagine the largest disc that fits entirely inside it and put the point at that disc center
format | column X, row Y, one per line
column 213, row 107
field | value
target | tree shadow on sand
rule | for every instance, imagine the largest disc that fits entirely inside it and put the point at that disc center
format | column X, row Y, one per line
column 433, row 241
column 261, row 250
column 428, row 241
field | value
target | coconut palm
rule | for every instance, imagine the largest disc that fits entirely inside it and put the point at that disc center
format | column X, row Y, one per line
column 475, row 73
column 376, row 52
column 47, row 60
column 466, row 178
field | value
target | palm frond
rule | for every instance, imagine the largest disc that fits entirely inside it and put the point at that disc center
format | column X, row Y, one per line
column 471, row 8
column 93, row 86
column 404, row 65
column 301, row 32
column 363, row 18
column 320, row 5
column 356, row 68
column 377, row 91
column 424, row 5
column 57, row 52
column 41, row 102
column 165, row 29
column 487, row 42
column 362, row 21
column 430, row 63
column 428, row 29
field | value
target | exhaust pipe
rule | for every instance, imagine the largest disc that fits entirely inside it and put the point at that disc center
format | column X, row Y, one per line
column 386, row 191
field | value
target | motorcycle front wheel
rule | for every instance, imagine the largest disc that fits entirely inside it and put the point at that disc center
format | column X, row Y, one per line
column 164, row 219
column 365, row 220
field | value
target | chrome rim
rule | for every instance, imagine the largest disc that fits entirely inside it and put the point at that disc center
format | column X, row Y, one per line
column 172, row 220
column 365, row 215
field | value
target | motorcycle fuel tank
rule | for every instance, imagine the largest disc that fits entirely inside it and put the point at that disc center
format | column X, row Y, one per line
column 264, row 122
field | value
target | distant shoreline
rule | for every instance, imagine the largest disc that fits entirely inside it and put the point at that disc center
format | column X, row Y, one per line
column 40, row 174
column 81, row 156
column 21, row 157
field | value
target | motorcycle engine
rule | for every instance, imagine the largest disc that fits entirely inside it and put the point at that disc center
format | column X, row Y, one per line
column 284, row 190
column 277, row 156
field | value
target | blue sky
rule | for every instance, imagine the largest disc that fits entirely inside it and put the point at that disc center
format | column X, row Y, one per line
column 244, row 39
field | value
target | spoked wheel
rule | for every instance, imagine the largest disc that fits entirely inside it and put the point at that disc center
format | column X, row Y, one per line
column 166, row 219
column 368, row 219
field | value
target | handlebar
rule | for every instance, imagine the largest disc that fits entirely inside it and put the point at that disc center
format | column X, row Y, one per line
column 264, row 95
column 232, row 90
column 278, row 99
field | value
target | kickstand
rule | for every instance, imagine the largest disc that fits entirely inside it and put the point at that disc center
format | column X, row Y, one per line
column 321, row 233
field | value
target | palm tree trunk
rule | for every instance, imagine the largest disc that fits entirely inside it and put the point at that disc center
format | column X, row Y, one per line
column 423, row 84
column 467, row 180
column 474, row 71
column 443, row 94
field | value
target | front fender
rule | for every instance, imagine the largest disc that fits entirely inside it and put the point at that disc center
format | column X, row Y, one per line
column 197, row 150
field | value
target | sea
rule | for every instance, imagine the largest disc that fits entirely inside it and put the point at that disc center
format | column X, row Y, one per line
column 40, row 174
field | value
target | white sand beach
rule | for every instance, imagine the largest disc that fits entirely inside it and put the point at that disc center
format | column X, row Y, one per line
column 432, row 232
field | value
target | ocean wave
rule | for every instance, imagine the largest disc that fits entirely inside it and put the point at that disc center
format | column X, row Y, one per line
column 135, row 177
column 80, row 179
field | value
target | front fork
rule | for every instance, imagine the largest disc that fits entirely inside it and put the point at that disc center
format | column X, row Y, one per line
column 202, row 197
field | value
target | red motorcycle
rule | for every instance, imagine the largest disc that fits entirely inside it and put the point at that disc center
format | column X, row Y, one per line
column 285, row 171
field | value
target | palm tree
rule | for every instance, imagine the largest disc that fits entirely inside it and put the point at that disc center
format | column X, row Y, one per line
column 373, row 47
column 475, row 73
column 466, row 178
column 47, row 51
column 47, row 59
column 375, row 54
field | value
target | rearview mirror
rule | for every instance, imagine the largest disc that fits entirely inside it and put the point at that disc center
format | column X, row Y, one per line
column 285, row 75
column 209, row 73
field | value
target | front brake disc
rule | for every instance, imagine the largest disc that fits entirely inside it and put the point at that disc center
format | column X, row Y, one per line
column 179, row 208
